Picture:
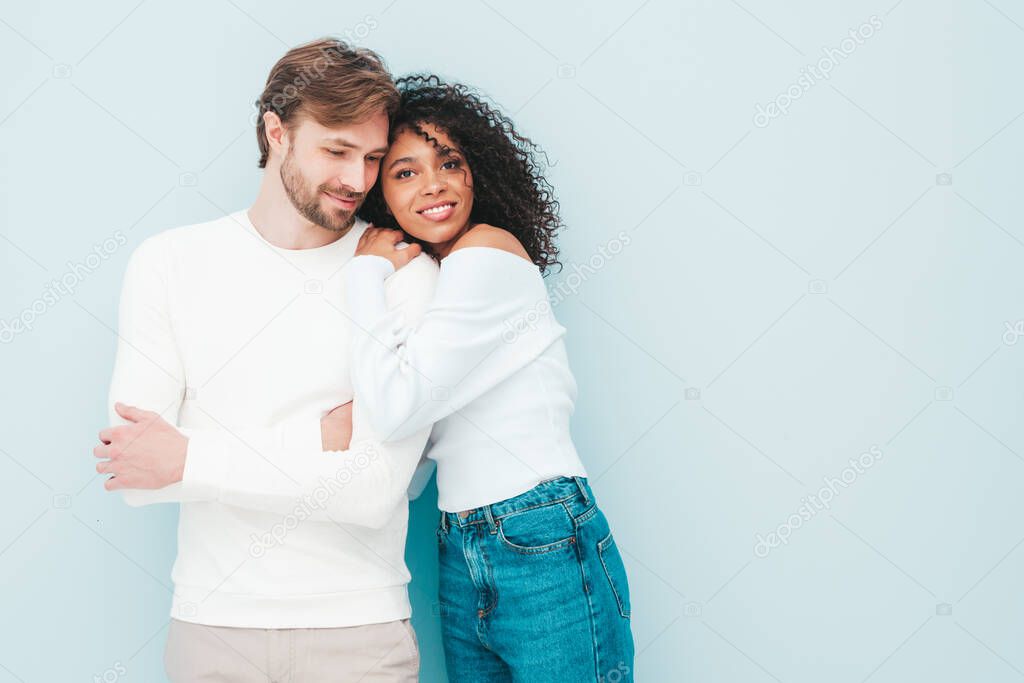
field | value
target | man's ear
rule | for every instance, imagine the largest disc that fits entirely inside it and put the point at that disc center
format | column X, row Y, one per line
column 276, row 131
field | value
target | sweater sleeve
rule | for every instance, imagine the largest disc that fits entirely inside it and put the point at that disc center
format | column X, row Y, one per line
column 148, row 371
column 283, row 469
column 490, row 316
column 274, row 471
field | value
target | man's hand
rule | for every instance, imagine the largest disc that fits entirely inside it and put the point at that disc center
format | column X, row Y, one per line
column 146, row 453
column 336, row 428
column 383, row 242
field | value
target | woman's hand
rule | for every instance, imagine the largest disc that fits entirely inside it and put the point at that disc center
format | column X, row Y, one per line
column 336, row 428
column 383, row 242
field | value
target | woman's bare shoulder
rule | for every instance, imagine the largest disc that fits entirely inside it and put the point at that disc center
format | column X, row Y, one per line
column 484, row 235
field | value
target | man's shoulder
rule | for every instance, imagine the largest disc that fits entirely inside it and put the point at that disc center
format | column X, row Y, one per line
column 194, row 235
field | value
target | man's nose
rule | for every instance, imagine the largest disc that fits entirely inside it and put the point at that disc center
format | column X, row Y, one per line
column 351, row 183
column 354, row 184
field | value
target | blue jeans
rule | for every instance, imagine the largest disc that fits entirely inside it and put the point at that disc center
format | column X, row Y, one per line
column 533, row 589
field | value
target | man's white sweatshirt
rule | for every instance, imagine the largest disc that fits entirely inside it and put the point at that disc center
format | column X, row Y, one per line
column 245, row 346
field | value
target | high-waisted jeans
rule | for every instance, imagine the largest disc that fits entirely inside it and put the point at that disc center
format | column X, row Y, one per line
column 533, row 589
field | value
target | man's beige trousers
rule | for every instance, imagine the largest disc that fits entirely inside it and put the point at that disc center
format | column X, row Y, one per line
column 371, row 653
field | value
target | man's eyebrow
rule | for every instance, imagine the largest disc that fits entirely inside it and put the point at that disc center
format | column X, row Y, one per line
column 342, row 142
column 400, row 161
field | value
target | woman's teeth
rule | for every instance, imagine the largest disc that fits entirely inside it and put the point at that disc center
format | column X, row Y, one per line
column 436, row 210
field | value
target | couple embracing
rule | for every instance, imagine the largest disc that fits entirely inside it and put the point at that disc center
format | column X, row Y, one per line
column 290, row 373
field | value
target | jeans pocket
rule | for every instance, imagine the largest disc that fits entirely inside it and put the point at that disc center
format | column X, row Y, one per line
column 615, row 570
column 537, row 530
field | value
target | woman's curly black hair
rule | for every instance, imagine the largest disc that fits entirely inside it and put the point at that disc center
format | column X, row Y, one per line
column 509, row 190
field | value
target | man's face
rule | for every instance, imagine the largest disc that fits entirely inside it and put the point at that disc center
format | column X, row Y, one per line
column 328, row 171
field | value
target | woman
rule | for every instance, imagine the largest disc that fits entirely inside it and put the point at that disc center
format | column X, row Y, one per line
column 532, row 587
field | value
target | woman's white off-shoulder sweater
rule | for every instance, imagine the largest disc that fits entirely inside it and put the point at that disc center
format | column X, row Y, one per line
column 486, row 364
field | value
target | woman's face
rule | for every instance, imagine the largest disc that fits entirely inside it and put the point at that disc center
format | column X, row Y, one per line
column 429, row 193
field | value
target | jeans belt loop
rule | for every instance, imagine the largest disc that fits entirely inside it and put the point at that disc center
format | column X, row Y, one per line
column 583, row 489
column 444, row 521
column 490, row 519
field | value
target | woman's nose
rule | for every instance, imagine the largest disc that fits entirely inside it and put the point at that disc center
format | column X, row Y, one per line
column 434, row 185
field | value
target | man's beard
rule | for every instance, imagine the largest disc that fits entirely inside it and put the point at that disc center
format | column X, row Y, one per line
column 307, row 201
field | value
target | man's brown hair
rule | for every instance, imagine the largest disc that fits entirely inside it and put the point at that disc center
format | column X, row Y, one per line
column 329, row 80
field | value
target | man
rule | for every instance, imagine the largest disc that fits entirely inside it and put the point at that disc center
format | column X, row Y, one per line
column 290, row 559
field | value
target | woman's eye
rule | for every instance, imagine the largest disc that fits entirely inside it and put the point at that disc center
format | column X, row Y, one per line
column 402, row 174
column 451, row 164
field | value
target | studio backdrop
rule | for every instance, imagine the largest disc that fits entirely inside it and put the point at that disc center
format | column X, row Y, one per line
column 792, row 285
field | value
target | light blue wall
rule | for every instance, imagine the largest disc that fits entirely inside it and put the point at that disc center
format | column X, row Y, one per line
column 795, row 291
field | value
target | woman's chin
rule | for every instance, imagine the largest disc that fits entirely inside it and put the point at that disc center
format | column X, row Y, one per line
column 433, row 234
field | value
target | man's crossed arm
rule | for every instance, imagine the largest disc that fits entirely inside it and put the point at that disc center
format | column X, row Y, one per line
column 271, row 468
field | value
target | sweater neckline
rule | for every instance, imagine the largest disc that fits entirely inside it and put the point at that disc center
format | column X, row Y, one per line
column 327, row 253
